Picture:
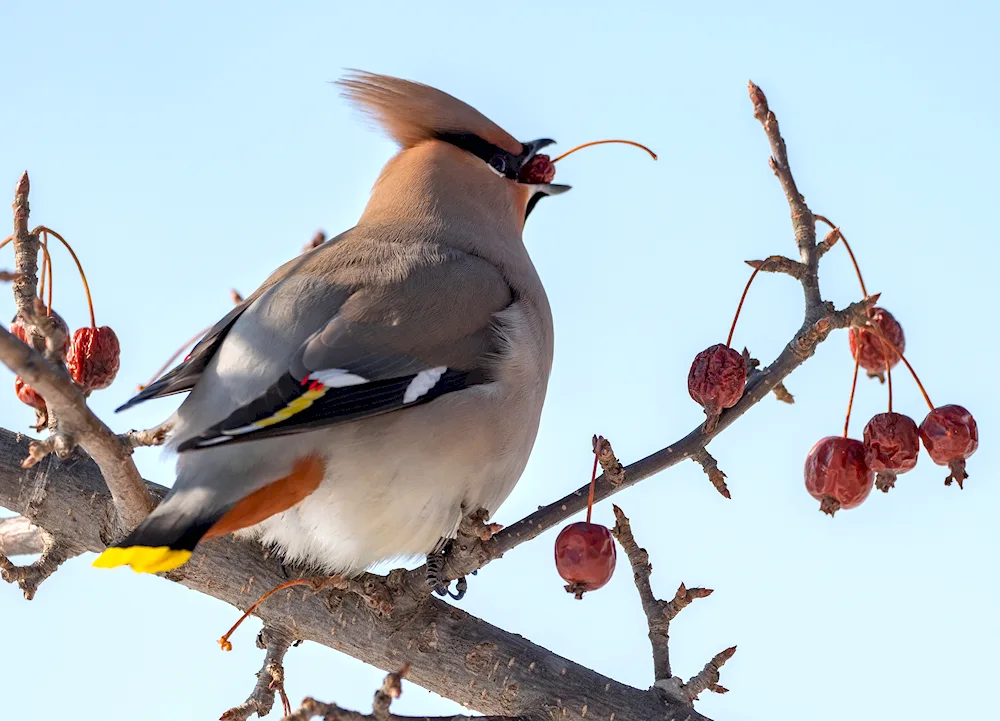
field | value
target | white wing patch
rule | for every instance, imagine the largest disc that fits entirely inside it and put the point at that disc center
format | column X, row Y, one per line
column 337, row 378
column 423, row 382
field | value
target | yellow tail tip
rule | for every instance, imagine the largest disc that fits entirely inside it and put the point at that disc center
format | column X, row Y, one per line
column 143, row 559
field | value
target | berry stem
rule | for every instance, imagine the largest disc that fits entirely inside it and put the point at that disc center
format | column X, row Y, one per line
column 172, row 358
column 902, row 357
column 46, row 274
column 854, row 385
column 602, row 142
column 864, row 292
column 79, row 267
column 847, row 246
column 746, row 289
column 46, row 263
column 593, row 482
column 224, row 641
column 888, row 370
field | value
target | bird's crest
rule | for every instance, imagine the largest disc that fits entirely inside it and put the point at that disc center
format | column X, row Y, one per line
column 412, row 112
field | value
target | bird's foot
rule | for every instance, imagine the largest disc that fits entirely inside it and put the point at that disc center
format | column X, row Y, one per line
column 435, row 566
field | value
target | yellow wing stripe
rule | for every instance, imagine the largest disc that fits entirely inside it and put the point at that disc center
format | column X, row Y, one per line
column 283, row 414
column 143, row 559
column 296, row 406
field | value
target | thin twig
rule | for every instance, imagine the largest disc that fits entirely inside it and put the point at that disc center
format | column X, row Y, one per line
column 711, row 468
column 25, row 251
column 71, row 421
column 658, row 613
column 149, row 437
column 820, row 320
column 652, row 607
column 708, row 678
column 802, row 346
column 55, row 551
column 270, row 679
column 803, row 224
column 778, row 264
column 828, row 242
column 390, row 690
column 78, row 423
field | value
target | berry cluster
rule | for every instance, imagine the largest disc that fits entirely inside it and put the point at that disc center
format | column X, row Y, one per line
column 840, row 472
column 92, row 353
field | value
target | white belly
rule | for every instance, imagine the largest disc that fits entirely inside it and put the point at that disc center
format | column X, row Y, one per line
column 392, row 496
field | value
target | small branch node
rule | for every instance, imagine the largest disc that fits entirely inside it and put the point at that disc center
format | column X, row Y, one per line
column 828, row 242
column 682, row 599
column 711, row 468
column 149, row 437
column 708, row 678
column 392, row 688
column 614, row 472
column 779, row 264
column 782, row 393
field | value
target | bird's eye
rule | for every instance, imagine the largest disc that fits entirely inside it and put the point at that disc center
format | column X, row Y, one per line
column 499, row 164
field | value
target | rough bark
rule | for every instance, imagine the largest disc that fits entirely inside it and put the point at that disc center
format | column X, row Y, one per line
column 451, row 652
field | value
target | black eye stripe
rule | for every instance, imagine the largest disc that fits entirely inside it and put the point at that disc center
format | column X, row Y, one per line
column 507, row 164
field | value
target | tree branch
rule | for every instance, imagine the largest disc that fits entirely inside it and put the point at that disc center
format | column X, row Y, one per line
column 452, row 653
column 658, row 613
column 64, row 401
column 20, row 537
column 391, row 689
column 150, row 437
column 55, row 552
column 476, row 553
column 778, row 264
column 803, row 223
column 270, row 679
column 78, row 425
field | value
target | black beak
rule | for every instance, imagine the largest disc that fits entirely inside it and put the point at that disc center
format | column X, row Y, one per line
column 540, row 190
column 543, row 191
column 531, row 148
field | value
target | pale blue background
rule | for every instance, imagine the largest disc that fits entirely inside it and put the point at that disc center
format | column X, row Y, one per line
column 189, row 147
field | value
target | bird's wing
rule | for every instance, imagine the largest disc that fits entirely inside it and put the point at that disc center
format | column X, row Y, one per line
column 389, row 346
column 185, row 375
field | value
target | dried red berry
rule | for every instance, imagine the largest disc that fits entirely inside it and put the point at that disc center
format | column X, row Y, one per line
column 836, row 474
column 892, row 444
column 18, row 331
column 950, row 436
column 585, row 556
column 540, row 169
column 716, row 381
column 94, row 357
column 871, row 346
column 27, row 395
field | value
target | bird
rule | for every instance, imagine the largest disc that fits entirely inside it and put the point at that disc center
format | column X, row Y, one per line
column 380, row 387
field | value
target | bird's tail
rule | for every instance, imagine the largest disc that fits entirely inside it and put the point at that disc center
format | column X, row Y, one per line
column 164, row 540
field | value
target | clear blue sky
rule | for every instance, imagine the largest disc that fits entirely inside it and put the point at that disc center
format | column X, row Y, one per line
column 186, row 148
